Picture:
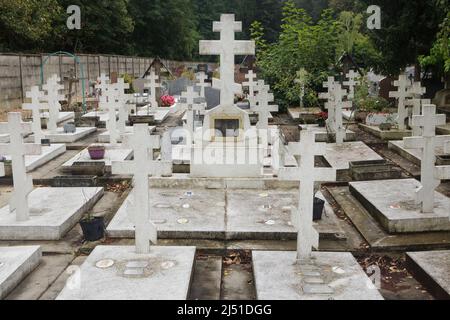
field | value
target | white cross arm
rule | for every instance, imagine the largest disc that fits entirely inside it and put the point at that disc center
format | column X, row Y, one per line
column 24, row 126
column 210, row 47
column 439, row 119
column 30, row 149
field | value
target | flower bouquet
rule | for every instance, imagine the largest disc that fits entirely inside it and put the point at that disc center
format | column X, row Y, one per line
column 167, row 101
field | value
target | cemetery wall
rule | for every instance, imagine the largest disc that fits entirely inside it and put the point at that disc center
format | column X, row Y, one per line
column 18, row 72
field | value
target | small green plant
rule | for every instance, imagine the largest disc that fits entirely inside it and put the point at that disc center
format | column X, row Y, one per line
column 127, row 78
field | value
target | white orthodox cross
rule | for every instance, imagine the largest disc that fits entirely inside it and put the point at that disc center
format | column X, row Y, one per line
column 264, row 108
column 416, row 111
column 53, row 87
column 111, row 104
column 251, row 82
column 430, row 176
column 121, row 99
column 307, row 174
column 351, row 83
column 329, row 84
column 201, row 82
column 152, row 84
column 35, row 106
column 102, row 84
column 336, row 107
column 141, row 168
column 401, row 95
column 190, row 95
column 23, row 183
column 227, row 47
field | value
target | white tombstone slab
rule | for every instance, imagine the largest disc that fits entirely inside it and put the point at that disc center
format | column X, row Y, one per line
column 52, row 97
column 141, row 168
column 227, row 47
column 307, row 174
column 430, row 175
column 401, row 95
column 15, row 264
column 23, row 183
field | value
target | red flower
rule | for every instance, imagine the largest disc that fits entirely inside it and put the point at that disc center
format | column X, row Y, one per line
column 322, row 115
column 167, row 101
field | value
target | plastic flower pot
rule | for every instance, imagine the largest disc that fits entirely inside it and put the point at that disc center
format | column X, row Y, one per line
column 97, row 152
column 318, row 208
column 93, row 229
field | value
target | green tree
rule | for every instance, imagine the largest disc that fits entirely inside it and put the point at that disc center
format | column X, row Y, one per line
column 105, row 28
column 166, row 28
column 26, row 24
column 407, row 32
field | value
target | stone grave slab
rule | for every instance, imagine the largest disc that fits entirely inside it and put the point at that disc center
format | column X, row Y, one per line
column 392, row 203
column 53, row 212
column 102, row 116
column 177, row 214
column 118, row 273
column 266, row 215
column 393, row 134
column 160, row 115
column 181, row 154
column 432, row 268
column 113, row 153
column 326, row 276
column 413, row 155
column 15, row 264
column 62, row 137
column 49, row 153
column 305, row 114
column 63, row 117
column 339, row 156
column 104, row 137
column 322, row 134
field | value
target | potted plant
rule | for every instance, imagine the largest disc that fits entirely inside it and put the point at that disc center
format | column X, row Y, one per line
column 319, row 204
column 322, row 119
column 97, row 152
column 93, row 228
column 167, row 101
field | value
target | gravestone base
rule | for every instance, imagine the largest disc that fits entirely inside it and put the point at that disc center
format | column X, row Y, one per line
column 33, row 162
column 53, row 212
column 413, row 155
column 386, row 135
column 15, row 264
column 323, row 136
column 98, row 116
column 63, row 117
column 113, row 153
column 163, row 274
column 62, row 137
column 432, row 269
column 392, row 204
column 326, row 276
column 339, row 156
column 105, row 136
column 305, row 115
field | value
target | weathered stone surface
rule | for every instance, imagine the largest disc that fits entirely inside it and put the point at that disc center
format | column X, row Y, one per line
column 163, row 274
column 278, row 276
